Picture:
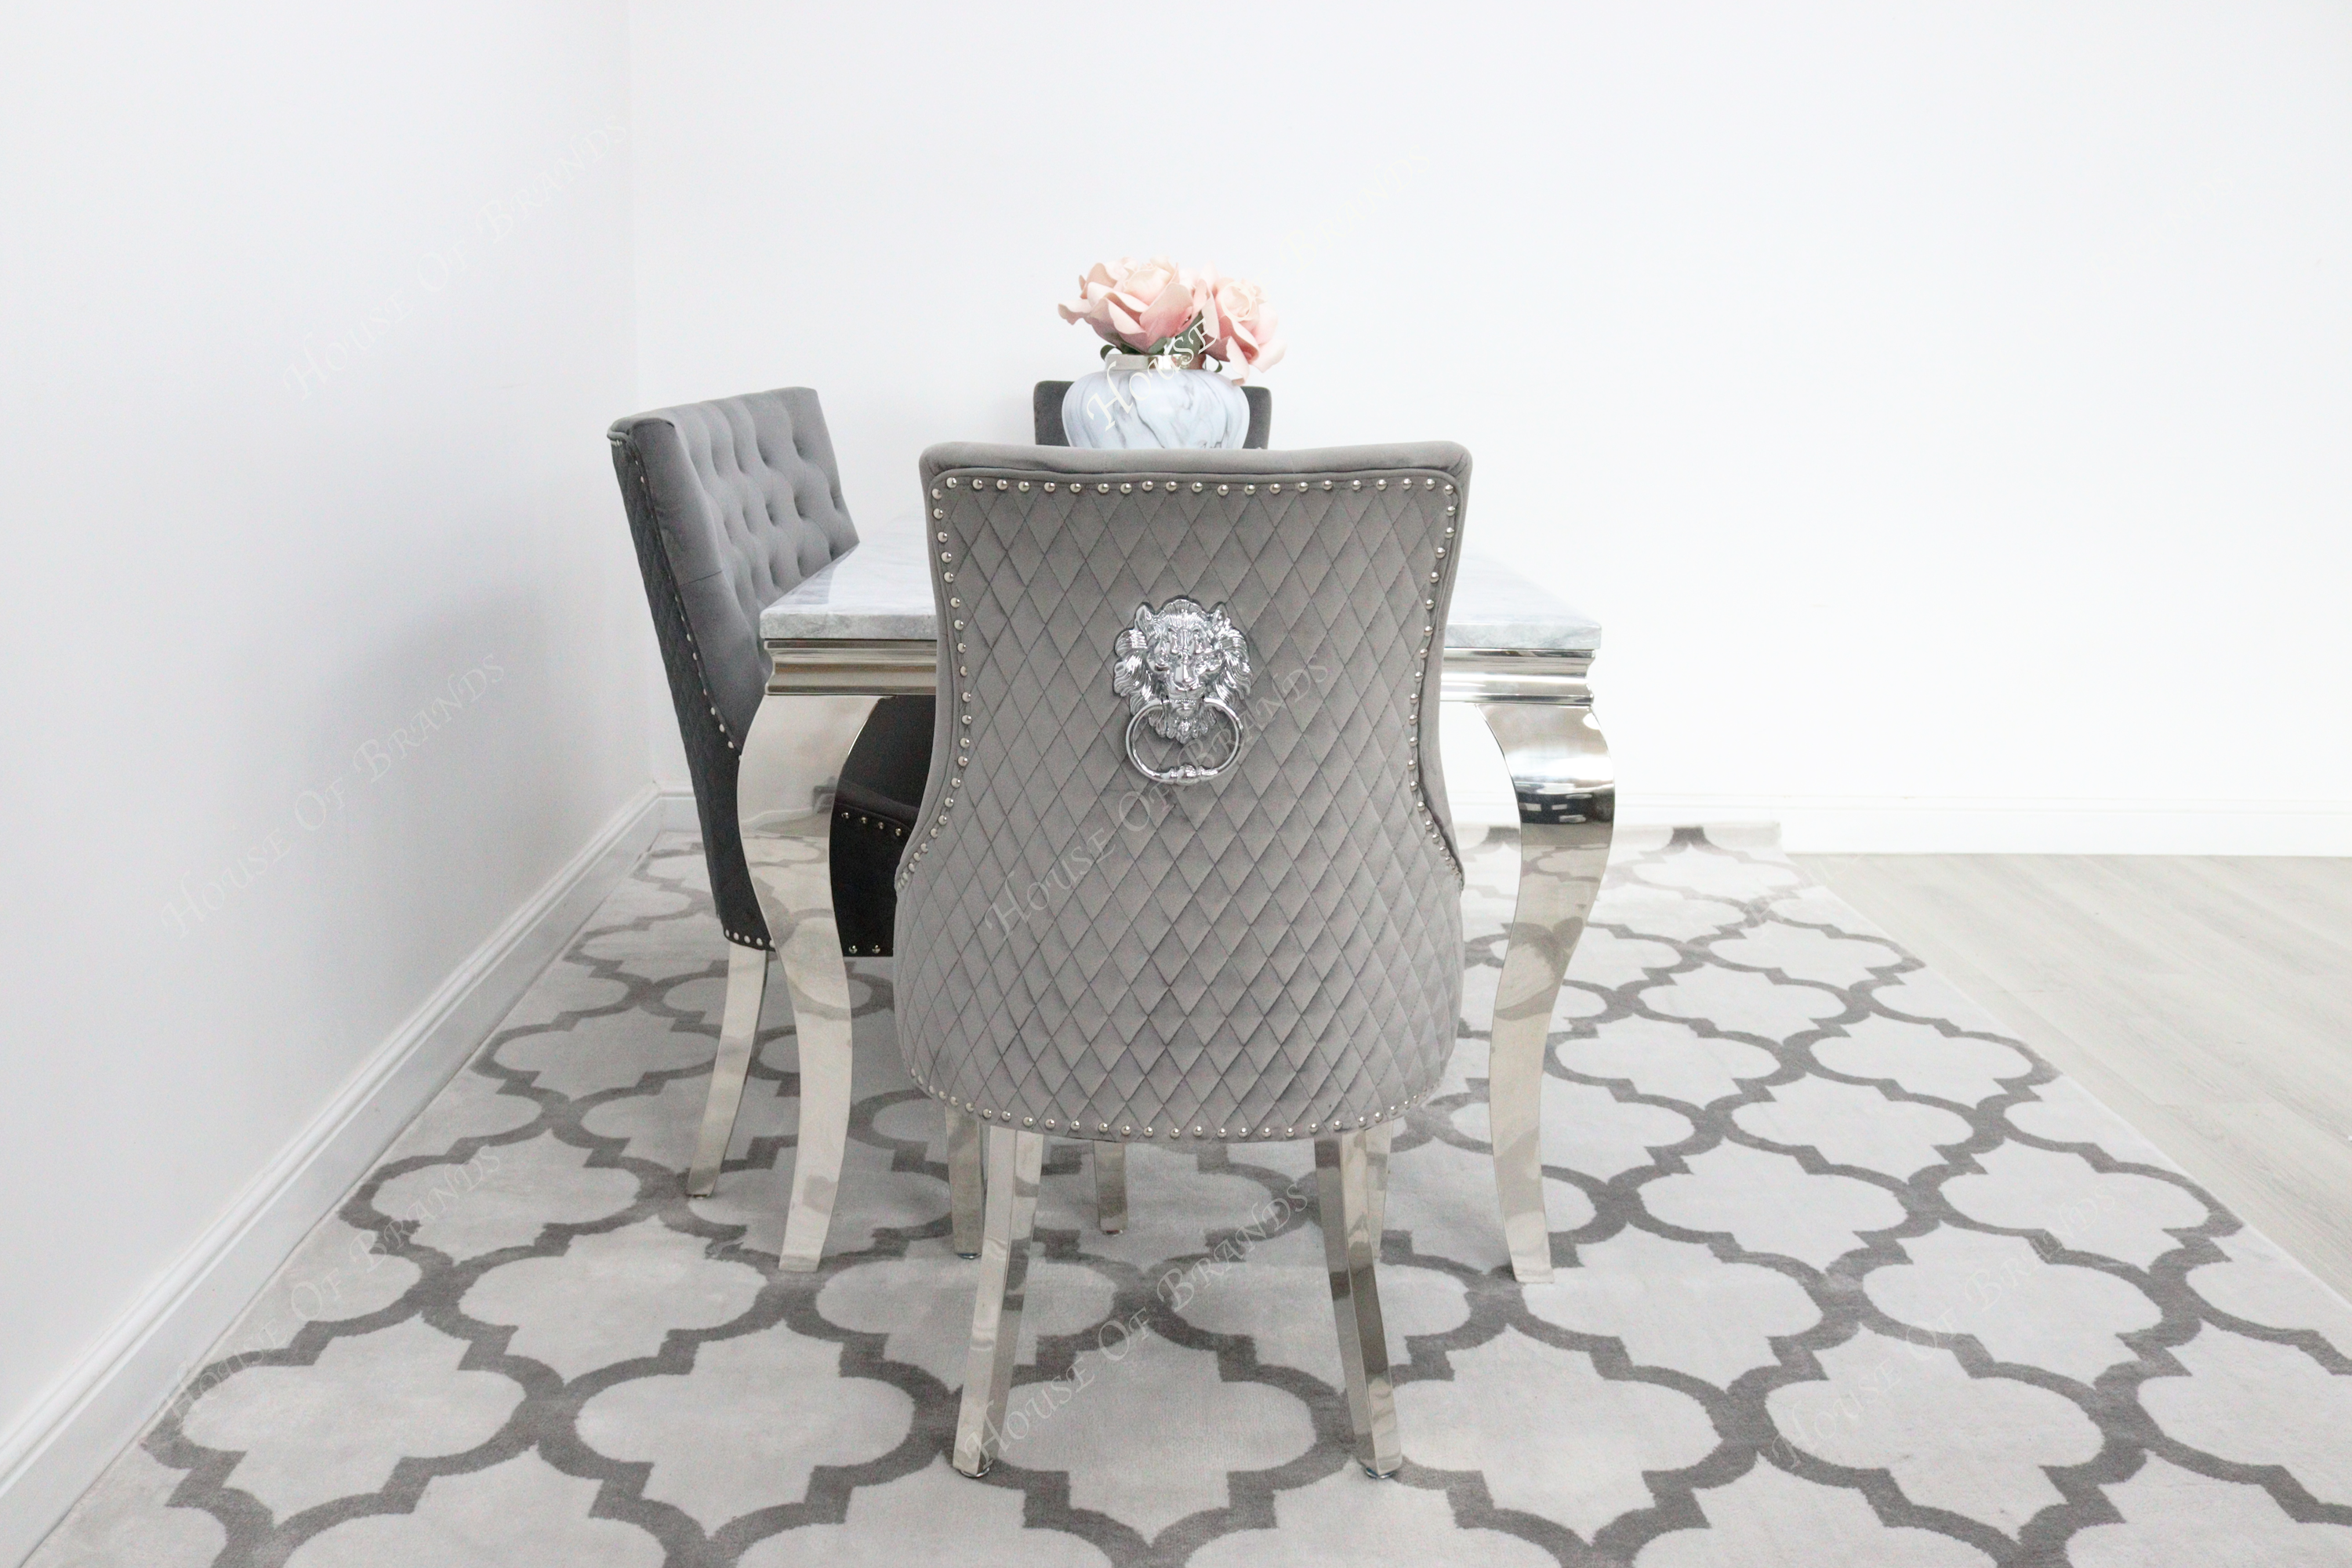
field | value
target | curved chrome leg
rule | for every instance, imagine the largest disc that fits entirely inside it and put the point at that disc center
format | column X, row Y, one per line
column 1561, row 771
column 966, row 1192
column 739, row 1033
column 1014, row 1162
column 791, row 767
column 1344, row 1172
column 1111, row 1186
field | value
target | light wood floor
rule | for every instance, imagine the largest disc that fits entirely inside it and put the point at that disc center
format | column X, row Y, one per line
column 2207, row 1000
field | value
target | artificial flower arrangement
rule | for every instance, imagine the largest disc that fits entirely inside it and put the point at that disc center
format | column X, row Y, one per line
column 1176, row 317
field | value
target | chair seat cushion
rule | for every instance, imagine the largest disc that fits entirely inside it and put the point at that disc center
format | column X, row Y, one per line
column 873, row 812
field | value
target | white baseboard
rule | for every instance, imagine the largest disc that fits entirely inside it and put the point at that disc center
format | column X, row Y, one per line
column 676, row 808
column 1922, row 824
column 105, row 1400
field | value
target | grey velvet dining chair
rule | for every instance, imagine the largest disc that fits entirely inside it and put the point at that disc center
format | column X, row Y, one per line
column 1270, row 948
column 731, row 503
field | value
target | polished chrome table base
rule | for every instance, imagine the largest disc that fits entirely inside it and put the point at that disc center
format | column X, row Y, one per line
column 1014, row 1162
column 1540, row 711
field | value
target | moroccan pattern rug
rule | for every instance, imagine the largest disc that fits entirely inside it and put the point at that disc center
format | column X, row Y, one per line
column 1847, row 1278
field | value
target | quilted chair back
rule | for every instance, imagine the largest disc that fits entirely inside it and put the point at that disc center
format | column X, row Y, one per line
column 732, row 503
column 1273, row 952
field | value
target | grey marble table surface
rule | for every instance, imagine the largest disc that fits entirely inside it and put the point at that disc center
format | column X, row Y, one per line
column 881, row 592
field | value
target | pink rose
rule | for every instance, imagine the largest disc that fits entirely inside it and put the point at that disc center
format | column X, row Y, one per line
column 1133, row 304
column 1136, row 305
column 1239, row 327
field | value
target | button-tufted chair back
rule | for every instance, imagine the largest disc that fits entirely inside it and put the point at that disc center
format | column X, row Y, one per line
column 1274, row 952
column 732, row 503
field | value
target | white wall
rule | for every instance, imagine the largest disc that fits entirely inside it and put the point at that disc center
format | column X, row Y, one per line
column 1943, row 405
column 233, row 579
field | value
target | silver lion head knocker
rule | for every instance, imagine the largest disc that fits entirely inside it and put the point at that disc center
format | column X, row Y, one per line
column 1180, row 667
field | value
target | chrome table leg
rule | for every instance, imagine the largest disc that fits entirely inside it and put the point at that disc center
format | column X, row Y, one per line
column 1014, row 1162
column 1345, row 1172
column 965, row 1189
column 739, row 1035
column 1560, row 772
column 1111, row 1186
column 784, row 790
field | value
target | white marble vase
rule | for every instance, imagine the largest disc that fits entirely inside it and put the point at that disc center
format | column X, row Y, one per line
column 1121, row 406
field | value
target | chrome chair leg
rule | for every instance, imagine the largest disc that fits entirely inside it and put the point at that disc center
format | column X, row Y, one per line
column 1561, row 770
column 966, row 1191
column 1376, row 1169
column 1345, row 1172
column 739, row 1033
column 1111, row 1186
column 784, row 791
column 1014, row 1162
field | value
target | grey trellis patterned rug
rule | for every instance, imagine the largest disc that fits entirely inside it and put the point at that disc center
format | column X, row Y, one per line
column 1848, row 1278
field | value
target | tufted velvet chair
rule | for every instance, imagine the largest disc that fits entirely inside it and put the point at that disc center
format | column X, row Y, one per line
column 1198, row 689
column 1047, row 412
column 732, row 503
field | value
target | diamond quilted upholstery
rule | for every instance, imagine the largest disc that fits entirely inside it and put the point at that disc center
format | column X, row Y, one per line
column 1272, row 954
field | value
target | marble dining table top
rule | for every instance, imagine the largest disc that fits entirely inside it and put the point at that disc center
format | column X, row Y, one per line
column 881, row 591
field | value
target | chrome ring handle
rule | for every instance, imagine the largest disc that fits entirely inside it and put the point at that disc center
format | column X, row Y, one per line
column 1187, row 772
